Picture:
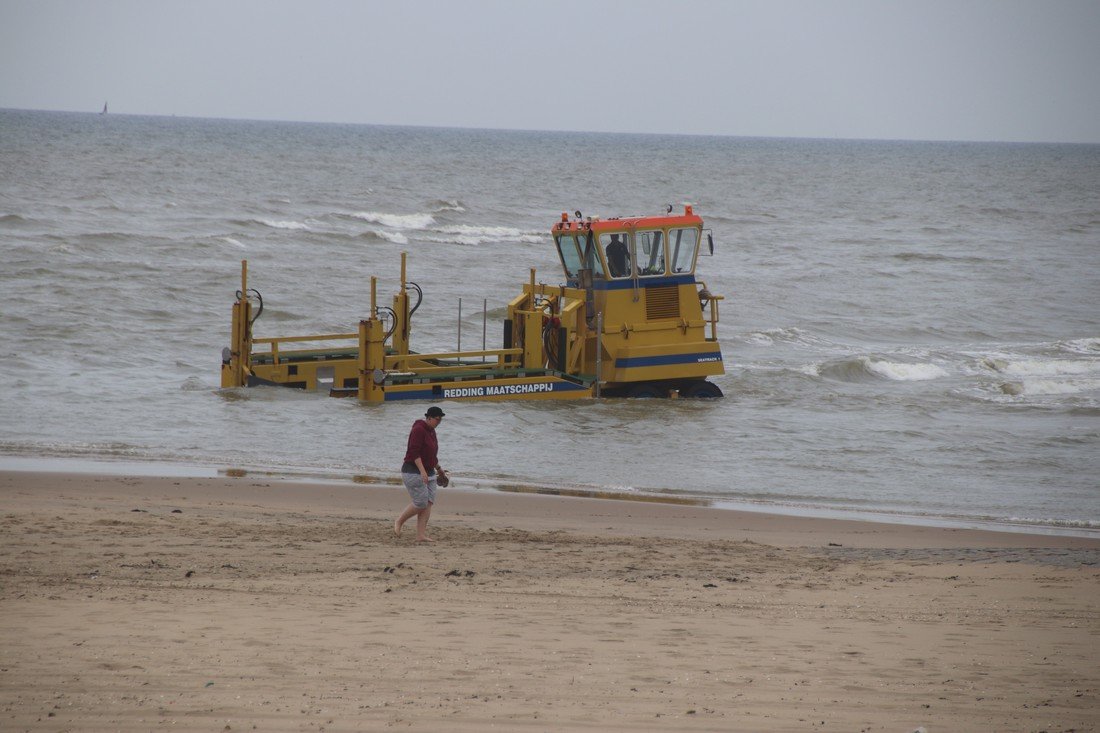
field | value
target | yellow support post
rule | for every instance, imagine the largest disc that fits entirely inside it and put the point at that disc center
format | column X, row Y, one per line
column 372, row 355
column 244, row 351
column 231, row 376
column 240, row 344
column 401, row 311
column 372, row 351
column 533, row 357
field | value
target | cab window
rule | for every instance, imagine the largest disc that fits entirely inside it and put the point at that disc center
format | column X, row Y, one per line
column 616, row 248
column 683, row 243
column 649, row 248
column 591, row 257
column 570, row 255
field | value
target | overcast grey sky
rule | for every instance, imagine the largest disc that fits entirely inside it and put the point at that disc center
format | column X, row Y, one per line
column 899, row 69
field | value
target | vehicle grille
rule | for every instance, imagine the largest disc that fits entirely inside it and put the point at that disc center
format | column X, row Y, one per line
column 662, row 303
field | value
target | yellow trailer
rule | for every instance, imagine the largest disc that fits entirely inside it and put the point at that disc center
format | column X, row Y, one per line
column 631, row 320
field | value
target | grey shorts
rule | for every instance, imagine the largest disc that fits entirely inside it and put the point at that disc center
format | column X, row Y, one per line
column 421, row 495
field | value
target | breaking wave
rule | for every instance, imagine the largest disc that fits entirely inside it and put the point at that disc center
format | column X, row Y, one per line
column 397, row 228
column 1044, row 375
column 397, row 221
column 791, row 335
column 1089, row 346
column 1039, row 367
column 1040, row 387
column 465, row 234
column 292, row 225
column 446, row 205
column 864, row 368
column 381, row 235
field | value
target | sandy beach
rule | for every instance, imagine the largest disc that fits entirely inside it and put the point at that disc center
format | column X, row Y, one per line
column 246, row 603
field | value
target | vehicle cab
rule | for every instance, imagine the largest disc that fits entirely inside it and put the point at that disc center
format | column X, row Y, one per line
column 638, row 275
column 651, row 250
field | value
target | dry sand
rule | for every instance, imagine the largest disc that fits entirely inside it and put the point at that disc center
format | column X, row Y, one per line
column 251, row 604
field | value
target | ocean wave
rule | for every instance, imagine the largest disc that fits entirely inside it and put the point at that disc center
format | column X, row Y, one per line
column 232, row 241
column 789, row 335
column 1081, row 346
column 862, row 368
column 442, row 205
column 473, row 235
column 396, row 228
column 381, row 235
column 61, row 450
column 1040, row 387
column 14, row 220
column 1039, row 367
column 1053, row 522
column 397, row 221
column 195, row 384
column 936, row 257
column 292, row 225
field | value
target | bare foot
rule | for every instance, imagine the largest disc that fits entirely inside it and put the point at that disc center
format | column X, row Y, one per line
column 424, row 539
column 397, row 528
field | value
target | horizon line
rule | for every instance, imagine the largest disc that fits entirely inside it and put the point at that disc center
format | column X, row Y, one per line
column 565, row 131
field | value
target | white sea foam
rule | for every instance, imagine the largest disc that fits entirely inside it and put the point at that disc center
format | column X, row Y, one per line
column 1042, row 367
column 902, row 372
column 282, row 224
column 789, row 335
column 771, row 336
column 1082, row 346
column 860, row 368
column 1054, row 522
column 1037, row 387
column 499, row 232
column 467, row 234
column 395, row 237
column 397, row 221
column 234, row 242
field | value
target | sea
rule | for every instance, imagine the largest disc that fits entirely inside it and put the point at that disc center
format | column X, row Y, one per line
column 910, row 330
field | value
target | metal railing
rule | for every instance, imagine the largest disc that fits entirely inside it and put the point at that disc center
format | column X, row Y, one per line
column 277, row 354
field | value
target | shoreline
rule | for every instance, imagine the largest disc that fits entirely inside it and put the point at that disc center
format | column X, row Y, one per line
column 162, row 469
column 536, row 511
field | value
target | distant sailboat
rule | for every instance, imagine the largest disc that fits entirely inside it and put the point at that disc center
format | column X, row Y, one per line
column 104, row 109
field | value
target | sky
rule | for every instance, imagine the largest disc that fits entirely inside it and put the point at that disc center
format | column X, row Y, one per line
column 1005, row 70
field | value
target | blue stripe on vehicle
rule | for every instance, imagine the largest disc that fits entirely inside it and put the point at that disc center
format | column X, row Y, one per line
column 414, row 394
column 643, row 283
column 648, row 361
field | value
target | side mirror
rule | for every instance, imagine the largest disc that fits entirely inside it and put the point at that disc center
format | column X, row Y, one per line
column 710, row 242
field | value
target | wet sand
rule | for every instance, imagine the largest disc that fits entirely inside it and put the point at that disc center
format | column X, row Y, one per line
column 132, row 603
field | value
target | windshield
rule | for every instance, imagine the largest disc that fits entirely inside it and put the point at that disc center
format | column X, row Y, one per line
column 683, row 243
column 650, row 250
column 570, row 255
column 575, row 256
column 591, row 256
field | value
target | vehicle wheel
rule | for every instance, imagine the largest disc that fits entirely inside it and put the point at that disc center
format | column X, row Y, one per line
column 644, row 391
column 704, row 391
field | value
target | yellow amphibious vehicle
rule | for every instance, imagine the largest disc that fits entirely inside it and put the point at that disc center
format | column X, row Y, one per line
column 631, row 320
